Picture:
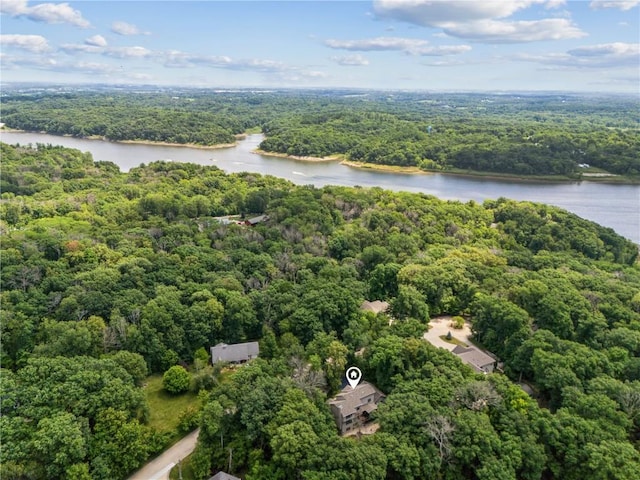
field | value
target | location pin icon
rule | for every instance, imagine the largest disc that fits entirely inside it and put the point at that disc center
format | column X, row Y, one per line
column 353, row 376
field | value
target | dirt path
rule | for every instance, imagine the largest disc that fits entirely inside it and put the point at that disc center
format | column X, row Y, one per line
column 159, row 467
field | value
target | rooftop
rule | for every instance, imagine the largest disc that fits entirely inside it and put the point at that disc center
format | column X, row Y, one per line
column 474, row 357
column 350, row 399
column 376, row 306
column 234, row 353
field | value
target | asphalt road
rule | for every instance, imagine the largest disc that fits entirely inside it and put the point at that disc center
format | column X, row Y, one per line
column 159, row 467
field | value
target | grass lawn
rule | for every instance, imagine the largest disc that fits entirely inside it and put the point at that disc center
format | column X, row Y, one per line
column 165, row 409
column 453, row 340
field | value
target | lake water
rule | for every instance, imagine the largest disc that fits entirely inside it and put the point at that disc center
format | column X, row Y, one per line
column 615, row 206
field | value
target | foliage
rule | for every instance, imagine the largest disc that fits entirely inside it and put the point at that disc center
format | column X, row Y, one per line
column 176, row 380
column 107, row 276
column 513, row 134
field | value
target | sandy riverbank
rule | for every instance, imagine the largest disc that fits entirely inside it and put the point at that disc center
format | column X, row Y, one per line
column 383, row 168
column 332, row 158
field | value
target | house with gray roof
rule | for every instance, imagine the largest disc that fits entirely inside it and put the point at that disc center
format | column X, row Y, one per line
column 223, row 476
column 376, row 306
column 352, row 407
column 235, row 353
column 477, row 359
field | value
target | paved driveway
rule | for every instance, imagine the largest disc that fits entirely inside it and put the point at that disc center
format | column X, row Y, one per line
column 440, row 326
column 159, row 467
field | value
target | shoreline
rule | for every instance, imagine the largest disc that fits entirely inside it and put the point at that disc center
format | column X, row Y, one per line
column 134, row 142
column 612, row 179
column 168, row 144
column 386, row 168
column 332, row 158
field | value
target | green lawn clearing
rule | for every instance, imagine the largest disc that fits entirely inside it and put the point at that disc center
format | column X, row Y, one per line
column 165, row 409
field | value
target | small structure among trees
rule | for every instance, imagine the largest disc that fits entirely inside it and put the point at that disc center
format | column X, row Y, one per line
column 235, row 353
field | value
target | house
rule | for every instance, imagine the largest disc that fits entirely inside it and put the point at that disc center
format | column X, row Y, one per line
column 477, row 359
column 376, row 306
column 255, row 220
column 352, row 407
column 236, row 353
column 223, row 476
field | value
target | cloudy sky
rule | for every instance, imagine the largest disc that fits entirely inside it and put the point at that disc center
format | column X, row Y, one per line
column 389, row 44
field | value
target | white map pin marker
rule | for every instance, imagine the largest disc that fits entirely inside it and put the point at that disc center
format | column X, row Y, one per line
column 353, row 376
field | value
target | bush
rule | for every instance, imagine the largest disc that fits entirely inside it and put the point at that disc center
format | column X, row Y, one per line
column 457, row 322
column 176, row 380
column 189, row 420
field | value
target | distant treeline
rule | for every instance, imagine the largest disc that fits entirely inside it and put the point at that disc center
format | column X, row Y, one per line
column 520, row 135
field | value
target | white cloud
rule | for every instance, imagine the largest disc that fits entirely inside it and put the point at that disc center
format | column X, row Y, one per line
column 31, row 43
column 127, row 52
column 480, row 21
column 621, row 4
column 608, row 55
column 493, row 31
column 412, row 46
column 114, row 52
column 555, row 4
column 73, row 48
column 351, row 60
column 124, row 28
column 96, row 41
column 178, row 59
column 44, row 12
column 617, row 49
column 435, row 12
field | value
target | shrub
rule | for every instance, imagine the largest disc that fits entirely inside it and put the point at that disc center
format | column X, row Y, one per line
column 457, row 322
column 176, row 380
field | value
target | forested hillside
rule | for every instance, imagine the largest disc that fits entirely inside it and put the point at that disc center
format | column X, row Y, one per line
column 108, row 276
column 509, row 134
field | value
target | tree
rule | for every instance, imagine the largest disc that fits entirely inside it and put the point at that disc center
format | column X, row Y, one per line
column 176, row 380
column 59, row 442
column 439, row 428
column 118, row 446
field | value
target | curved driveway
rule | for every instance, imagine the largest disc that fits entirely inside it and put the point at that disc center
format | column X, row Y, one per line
column 159, row 467
column 440, row 326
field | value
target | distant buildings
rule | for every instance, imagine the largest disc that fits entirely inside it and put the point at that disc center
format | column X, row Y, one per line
column 352, row 407
column 477, row 359
column 235, row 353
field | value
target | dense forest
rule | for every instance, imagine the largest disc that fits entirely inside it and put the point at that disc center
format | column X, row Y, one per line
column 508, row 134
column 110, row 276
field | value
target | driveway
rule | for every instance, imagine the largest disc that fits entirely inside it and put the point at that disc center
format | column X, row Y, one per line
column 440, row 326
column 159, row 467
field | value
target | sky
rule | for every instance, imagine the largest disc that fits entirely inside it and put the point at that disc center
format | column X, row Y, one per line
column 470, row 45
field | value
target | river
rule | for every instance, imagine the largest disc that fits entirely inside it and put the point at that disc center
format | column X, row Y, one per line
column 615, row 206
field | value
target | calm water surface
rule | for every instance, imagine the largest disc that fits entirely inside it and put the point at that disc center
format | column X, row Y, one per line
column 615, row 206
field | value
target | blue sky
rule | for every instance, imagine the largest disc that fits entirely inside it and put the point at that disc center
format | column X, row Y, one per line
column 387, row 44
